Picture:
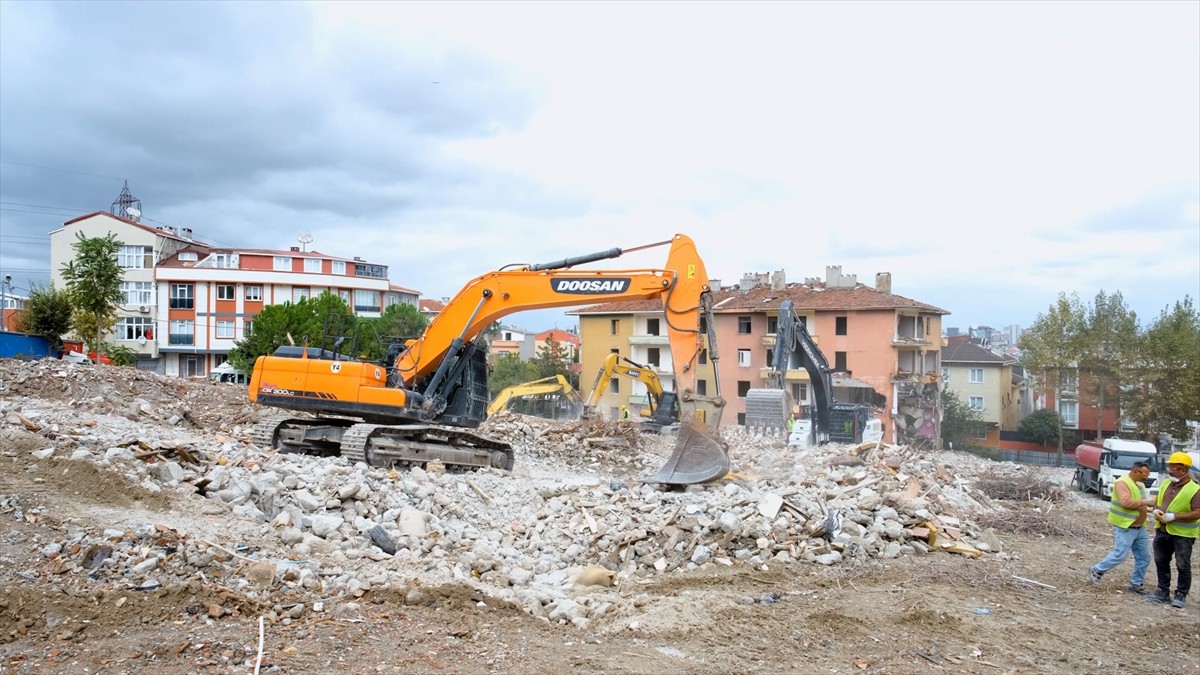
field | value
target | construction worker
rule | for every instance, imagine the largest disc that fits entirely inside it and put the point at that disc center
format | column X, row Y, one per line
column 1127, row 512
column 624, row 412
column 791, row 422
column 1177, row 522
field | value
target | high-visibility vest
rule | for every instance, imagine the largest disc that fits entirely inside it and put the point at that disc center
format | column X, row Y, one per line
column 1182, row 503
column 1119, row 515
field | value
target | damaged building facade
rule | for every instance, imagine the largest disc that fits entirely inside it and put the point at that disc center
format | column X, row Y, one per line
column 883, row 349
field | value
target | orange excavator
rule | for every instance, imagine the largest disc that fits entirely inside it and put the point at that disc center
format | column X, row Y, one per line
column 424, row 400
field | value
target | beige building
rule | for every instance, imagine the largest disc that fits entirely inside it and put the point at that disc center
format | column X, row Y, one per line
column 986, row 383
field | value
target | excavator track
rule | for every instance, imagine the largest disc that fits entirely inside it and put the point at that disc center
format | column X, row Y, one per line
column 263, row 434
column 417, row 444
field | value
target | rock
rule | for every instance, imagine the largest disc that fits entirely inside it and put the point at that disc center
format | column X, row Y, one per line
column 307, row 501
column 43, row 454
column 348, row 490
column 595, row 575
column 326, row 524
column 143, row 567
column 382, row 539
column 701, row 554
column 291, row 535
column 261, row 573
column 414, row 523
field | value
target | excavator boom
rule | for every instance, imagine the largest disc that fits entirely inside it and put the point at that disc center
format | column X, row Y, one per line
column 556, row 387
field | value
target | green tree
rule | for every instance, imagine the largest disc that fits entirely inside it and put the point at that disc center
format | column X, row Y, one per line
column 1041, row 426
column 301, row 323
column 1108, row 346
column 1053, row 347
column 958, row 421
column 508, row 370
column 552, row 359
column 94, row 285
column 398, row 322
column 1167, row 393
column 47, row 313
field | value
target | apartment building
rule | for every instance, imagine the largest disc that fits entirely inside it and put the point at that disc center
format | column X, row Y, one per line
column 987, row 382
column 186, row 302
column 883, row 348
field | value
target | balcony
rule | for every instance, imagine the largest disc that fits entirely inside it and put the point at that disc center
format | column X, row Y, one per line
column 792, row 375
column 768, row 340
column 647, row 339
column 910, row 341
column 180, row 339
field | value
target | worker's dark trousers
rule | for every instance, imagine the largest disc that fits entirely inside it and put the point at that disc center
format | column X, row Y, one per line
column 1167, row 545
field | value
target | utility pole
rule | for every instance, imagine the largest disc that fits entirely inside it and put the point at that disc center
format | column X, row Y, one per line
column 4, row 302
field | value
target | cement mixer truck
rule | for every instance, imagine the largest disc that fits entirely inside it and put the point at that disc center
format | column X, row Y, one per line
column 1098, row 464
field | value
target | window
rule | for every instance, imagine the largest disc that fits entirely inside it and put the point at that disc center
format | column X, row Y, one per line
column 703, row 360
column 772, row 324
column 224, row 329
column 839, row 362
column 300, row 292
column 225, row 292
column 183, row 296
column 1069, row 411
column 976, row 403
column 744, row 358
column 614, row 350
column 975, row 376
column 979, row 430
column 247, row 326
column 507, row 336
column 282, row 264
column 945, row 374
column 254, row 293
column 366, row 301
column 134, row 327
column 373, row 271
column 799, row 392
column 188, row 256
column 704, row 324
column 135, row 257
column 222, row 260
column 702, row 387
column 345, row 296
column 839, row 326
column 614, row 386
column 741, row 419
column 653, row 357
column 339, row 267
column 771, row 358
column 182, row 332
column 190, row 366
column 312, row 265
column 743, row 388
column 614, row 326
column 137, row 292
column 652, row 327
column 743, row 325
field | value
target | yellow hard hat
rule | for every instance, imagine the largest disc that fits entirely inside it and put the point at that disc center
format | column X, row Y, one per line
column 1180, row 458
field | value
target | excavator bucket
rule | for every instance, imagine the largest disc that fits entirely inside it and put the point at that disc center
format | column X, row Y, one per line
column 698, row 458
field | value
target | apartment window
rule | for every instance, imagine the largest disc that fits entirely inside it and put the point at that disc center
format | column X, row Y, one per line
column 300, row 292
column 614, row 350
column 282, row 264
column 345, row 296
column 741, row 419
column 744, row 358
column 182, row 332
column 137, row 292
column 653, row 357
column 979, row 430
column 218, row 359
column 702, row 387
column 312, row 265
column 704, row 324
column 743, row 325
column 772, row 324
column 190, row 366
column 614, row 326
column 225, row 292
column 652, row 327
column 743, row 388
column 132, row 328
column 976, row 403
column 975, row 376
column 703, row 360
column 614, row 386
column 222, row 260
column 839, row 362
column 135, row 257
column 247, row 327
column 188, row 256
column 799, row 392
column 945, row 374
column 373, row 271
column 1069, row 410
column 366, row 301
column 183, row 296
column 839, row 325
column 339, row 267
column 254, row 293
column 507, row 336
column 224, row 329
column 771, row 359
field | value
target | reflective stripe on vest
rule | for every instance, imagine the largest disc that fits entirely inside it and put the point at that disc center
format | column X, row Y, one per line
column 1182, row 503
column 1119, row 515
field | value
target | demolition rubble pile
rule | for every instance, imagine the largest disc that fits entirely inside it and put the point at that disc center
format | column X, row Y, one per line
column 303, row 533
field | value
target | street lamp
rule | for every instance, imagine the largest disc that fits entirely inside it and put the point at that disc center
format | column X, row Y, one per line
column 4, row 302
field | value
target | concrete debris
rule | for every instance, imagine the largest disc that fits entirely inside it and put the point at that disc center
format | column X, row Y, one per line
column 571, row 520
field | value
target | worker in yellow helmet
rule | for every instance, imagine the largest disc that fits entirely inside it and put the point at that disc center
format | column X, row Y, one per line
column 1177, row 522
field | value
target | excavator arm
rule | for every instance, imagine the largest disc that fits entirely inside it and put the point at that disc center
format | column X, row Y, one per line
column 615, row 364
column 547, row 385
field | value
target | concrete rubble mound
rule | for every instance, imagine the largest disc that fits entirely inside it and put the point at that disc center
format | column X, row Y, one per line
column 559, row 537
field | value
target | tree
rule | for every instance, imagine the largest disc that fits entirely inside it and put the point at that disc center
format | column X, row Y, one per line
column 958, row 420
column 509, row 369
column 398, row 322
column 47, row 313
column 94, row 285
column 1108, row 344
column 1167, row 393
column 1041, row 426
column 304, row 322
column 551, row 360
column 1053, row 346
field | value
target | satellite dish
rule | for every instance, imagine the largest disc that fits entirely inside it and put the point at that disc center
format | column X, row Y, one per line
column 305, row 239
column 132, row 212
column 142, row 340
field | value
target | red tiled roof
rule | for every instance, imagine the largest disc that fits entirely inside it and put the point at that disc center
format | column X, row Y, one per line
column 290, row 254
column 764, row 298
column 560, row 336
column 155, row 230
column 394, row 287
column 431, row 305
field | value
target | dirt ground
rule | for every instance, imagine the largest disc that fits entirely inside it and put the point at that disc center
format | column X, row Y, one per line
column 1028, row 611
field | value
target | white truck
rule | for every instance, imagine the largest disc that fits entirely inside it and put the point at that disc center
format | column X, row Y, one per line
column 1098, row 465
column 227, row 373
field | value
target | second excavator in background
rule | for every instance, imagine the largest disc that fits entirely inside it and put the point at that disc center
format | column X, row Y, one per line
column 550, row 397
column 771, row 407
column 663, row 410
column 423, row 402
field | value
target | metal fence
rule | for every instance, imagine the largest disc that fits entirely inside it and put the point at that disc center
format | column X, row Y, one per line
column 1033, row 457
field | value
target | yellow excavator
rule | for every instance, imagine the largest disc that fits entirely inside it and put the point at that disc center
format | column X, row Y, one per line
column 663, row 411
column 424, row 400
column 551, row 397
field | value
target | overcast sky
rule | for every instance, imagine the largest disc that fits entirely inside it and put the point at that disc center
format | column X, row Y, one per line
column 988, row 155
